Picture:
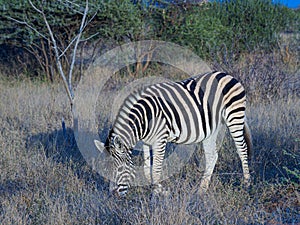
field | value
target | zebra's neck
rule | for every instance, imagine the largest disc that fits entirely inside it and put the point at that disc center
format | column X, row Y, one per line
column 128, row 140
column 131, row 123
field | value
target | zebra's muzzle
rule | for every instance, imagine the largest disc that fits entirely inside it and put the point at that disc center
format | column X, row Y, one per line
column 118, row 190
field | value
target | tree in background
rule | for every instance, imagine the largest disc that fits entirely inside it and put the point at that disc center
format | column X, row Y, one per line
column 210, row 29
column 25, row 31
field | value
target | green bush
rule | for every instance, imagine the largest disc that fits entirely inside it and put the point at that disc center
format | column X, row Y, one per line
column 200, row 31
column 254, row 23
column 240, row 26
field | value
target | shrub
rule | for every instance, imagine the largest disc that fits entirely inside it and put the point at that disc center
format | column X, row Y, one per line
column 240, row 26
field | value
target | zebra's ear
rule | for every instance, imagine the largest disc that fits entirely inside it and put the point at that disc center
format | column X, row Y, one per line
column 99, row 145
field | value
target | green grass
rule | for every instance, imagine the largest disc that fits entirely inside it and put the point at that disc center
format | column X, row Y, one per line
column 44, row 179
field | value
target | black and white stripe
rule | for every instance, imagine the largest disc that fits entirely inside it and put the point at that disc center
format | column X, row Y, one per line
column 185, row 112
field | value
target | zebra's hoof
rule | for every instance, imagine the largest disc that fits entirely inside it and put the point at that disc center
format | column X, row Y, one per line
column 247, row 183
column 159, row 190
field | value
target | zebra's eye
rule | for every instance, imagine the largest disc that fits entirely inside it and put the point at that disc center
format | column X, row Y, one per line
column 117, row 142
column 120, row 169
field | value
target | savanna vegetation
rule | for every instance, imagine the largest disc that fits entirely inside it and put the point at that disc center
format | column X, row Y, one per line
column 44, row 178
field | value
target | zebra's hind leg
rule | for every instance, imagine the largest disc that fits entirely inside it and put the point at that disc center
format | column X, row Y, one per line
column 211, row 156
column 242, row 139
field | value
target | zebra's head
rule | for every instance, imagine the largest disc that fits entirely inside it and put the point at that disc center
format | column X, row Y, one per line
column 122, row 168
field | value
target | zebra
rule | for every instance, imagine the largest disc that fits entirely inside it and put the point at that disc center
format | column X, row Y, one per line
column 189, row 111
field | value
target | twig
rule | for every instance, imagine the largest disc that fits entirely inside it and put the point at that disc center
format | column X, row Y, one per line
column 80, row 40
column 88, row 38
column 28, row 25
column 69, row 45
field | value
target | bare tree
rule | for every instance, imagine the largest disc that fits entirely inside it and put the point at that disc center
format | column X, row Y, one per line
column 60, row 52
column 67, row 80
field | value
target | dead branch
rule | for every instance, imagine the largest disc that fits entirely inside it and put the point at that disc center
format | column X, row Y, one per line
column 82, row 26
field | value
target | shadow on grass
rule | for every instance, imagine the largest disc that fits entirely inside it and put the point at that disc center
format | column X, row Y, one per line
column 10, row 187
column 272, row 155
column 267, row 165
column 61, row 147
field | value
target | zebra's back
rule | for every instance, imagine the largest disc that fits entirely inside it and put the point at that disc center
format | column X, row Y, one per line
column 191, row 109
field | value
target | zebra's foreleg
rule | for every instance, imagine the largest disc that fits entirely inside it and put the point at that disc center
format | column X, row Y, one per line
column 147, row 163
column 158, row 157
column 153, row 167
column 211, row 156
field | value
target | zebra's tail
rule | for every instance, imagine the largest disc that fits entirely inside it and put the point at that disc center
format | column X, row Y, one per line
column 248, row 139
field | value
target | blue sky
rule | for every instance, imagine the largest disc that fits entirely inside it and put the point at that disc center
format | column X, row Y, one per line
column 291, row 3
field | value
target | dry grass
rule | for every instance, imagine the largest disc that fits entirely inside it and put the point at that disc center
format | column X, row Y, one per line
column 44, row 179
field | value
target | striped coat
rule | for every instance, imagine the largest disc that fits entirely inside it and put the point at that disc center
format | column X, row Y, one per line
column 185, row 112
